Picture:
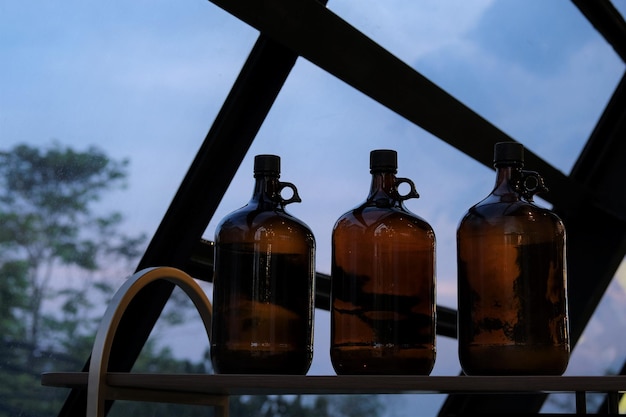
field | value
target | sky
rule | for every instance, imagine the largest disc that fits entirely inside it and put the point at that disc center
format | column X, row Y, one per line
column 145, row 80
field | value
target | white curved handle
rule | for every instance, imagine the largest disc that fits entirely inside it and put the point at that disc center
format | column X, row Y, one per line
column 99, row 362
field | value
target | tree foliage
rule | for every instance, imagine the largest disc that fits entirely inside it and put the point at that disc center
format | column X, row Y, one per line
column 49, row 231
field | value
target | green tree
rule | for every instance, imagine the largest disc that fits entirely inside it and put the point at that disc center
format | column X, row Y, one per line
column 49, row 230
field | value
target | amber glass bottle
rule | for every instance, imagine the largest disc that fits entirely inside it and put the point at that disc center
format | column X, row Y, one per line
column 263, row 292
column 383, row 281
column 512, row 298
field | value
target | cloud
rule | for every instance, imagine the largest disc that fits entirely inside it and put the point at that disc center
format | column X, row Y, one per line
column 410, row 29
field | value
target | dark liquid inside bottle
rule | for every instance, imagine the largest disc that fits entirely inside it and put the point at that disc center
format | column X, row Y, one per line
column 383, row 290
column 264, row 316
column 512, row 302
column 263, row 290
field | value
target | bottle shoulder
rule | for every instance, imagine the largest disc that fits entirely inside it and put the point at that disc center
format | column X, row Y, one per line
column 366, row 216
column 247, row 220
column 518, row 213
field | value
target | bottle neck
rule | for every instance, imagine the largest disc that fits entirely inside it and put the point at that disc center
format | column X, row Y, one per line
column 383, row 188
column 266, row 190
column 506, row 175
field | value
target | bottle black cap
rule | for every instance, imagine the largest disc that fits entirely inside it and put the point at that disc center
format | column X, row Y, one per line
column 383, row 160
column 266, row 164
column 508, row 152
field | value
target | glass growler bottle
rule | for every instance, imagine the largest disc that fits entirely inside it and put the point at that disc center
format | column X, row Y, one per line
column 512, row 299
column 383, row 281
column 263, row 289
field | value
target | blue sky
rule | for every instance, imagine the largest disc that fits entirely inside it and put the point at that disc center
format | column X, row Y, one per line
column 145, row 80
